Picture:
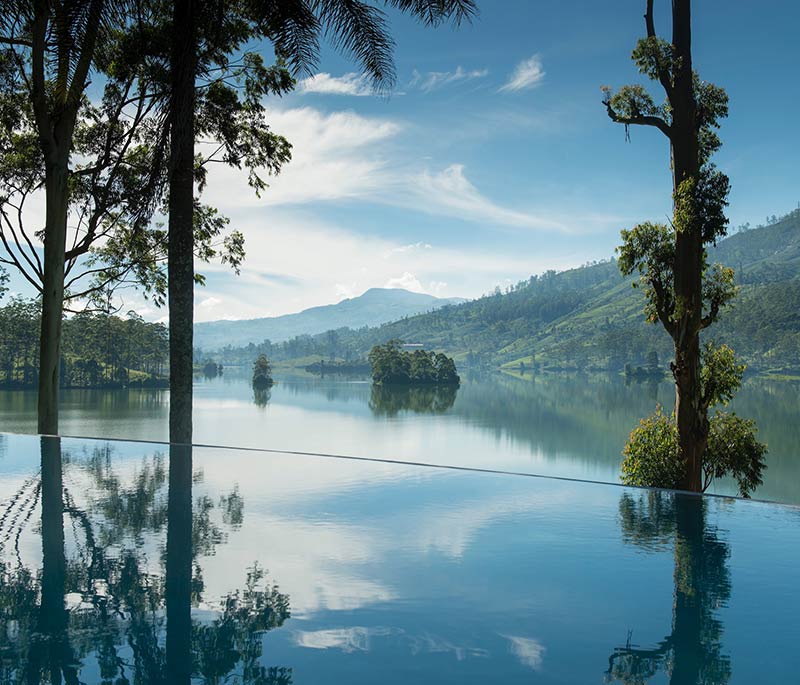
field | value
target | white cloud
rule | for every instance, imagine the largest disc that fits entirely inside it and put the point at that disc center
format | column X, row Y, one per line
column 210, row 302
column 437, row 79
column 344, row 156
column 528, row 74
column 407, row 281
column 413, row 246
column 334, row 156
column 295, row 261
column 529, row 651
column 349, row 84
column 450, row 192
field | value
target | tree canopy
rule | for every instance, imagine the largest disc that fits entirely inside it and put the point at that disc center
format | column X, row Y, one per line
column 391, row 365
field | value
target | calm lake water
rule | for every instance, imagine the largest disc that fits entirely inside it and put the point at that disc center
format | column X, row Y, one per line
column 552, row 425
column 134, row 563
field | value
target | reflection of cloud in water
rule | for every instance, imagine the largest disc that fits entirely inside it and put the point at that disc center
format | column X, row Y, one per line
column 318, row 564
column 360, row 639
column 528, row 650
column 353, row 639
column 451, row 531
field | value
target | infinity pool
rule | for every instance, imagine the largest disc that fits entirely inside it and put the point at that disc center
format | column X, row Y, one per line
column 123, row 563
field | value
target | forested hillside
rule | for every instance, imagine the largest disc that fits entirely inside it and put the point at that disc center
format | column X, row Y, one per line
column 592, row 316
column 98, row 350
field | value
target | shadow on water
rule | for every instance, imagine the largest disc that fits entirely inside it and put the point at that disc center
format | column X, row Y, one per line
column 691, row 653
column 90, row 612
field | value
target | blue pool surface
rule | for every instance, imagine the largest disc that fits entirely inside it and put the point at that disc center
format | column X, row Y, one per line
column 125, row 563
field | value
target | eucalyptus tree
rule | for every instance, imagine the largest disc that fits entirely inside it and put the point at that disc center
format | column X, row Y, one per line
column 684, row 293
column 99, row 156
column 295, row 27
column 49, row 50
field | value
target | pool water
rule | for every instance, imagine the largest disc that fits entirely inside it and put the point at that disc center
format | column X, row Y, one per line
column 126, row 562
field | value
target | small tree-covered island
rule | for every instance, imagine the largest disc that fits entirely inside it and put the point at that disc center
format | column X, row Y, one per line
column 392, row 365
column 262, row 373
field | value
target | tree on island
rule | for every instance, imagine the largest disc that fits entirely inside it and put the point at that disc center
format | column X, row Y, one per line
column 262, row 373
column 391, row 365
column 684, row 293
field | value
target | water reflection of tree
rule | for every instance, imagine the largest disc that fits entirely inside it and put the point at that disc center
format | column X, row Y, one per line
column 261, row 396
column 691, row 654
column 122, row 604
column 391, row 400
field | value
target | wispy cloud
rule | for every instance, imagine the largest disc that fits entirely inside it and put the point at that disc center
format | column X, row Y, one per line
column 450, row 192
column 334, row 156
column 437, row 79
column 528, row 74
column 326, row 84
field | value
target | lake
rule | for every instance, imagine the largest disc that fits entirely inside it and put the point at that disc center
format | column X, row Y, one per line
column 566, row 426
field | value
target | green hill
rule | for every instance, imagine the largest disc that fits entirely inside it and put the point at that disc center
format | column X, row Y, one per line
column 591, row 316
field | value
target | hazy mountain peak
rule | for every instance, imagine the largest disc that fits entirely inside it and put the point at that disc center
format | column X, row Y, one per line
column 374, row 307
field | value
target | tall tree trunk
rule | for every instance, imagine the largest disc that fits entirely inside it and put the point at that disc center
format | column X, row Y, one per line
column 179, row 566
column 52, row 294
column 181, row 213
column 689, row 411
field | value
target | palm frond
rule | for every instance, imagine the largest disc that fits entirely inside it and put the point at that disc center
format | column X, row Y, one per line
column 293, row 28
column 435, row 12
column 358, row 28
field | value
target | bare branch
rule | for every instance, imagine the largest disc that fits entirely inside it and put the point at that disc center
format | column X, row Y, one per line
column 6, row 40
column 643, row 120
column 663, row 74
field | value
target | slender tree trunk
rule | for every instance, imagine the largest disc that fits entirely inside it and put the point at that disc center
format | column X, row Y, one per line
column 689, row 411
column 179, row 566
column 181, row 214
column 52, row 294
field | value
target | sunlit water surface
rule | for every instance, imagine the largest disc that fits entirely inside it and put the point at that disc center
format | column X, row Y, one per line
column 554, row 425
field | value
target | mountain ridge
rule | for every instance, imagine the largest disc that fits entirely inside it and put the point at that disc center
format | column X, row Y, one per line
column 373, row 307
column 591, row 317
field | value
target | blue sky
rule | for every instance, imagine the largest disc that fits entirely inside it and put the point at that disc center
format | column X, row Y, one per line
column 494, row 159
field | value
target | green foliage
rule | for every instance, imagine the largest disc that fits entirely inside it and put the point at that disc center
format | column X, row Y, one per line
column 99, row 350
column 653, row 56
column 391, row 365
column 118, row 171
column 734, row 451
column 262, row 372
column 652, row 457
column 632, row 102
column 720, row 373
column 649, row 249
column 651, row 453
